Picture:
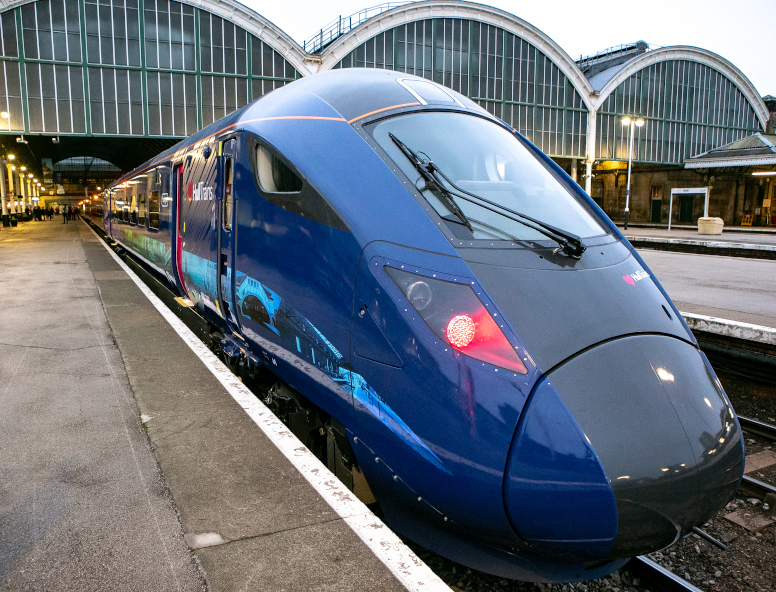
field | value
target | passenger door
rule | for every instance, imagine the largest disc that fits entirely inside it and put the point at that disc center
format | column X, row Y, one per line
column 177, row 225
column 227, row 232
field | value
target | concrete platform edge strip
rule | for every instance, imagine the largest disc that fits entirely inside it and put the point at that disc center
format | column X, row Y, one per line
column 407, row 567
column 729, row 328
column 701, row 243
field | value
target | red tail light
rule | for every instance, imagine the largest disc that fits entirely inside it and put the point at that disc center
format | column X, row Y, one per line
column 460, row 331
column 459, row 318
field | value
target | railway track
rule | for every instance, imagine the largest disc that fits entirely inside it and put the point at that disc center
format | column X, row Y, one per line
column 661, row 578
column 751, row 486
column 758, row 428
column 666, row 580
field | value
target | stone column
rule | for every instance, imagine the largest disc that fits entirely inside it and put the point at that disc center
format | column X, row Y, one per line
column 591, row 138
column 5, row 216
column 574, row 170
column 25, row 200
column 12, row 187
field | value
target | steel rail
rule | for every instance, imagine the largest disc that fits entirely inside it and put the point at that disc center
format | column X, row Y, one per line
column 758, row 428
column 756, row 488
column 751, row 486
column 658, row 576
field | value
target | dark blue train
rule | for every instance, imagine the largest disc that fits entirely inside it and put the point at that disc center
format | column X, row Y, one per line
column 485, row 352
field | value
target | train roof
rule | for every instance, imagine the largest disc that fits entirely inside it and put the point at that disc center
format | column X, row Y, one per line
column 349, row 94
column 355, row 93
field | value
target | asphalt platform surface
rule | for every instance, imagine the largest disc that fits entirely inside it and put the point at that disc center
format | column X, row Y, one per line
column 733, row 288
column 116, row 443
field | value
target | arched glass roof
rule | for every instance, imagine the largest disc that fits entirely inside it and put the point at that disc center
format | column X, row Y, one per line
column 152, row 68
column 691, row 101
column 162, row 69
column 500, row 66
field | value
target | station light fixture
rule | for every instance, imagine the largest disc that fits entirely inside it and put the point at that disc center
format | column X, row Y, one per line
column 30, row 176
column 11, row 157
column 764, row 173
column 631, row 122
column 24, row 168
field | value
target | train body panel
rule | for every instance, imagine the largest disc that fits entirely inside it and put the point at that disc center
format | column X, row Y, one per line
column 463, row 345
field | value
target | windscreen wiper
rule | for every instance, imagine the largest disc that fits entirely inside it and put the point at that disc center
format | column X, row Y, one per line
column 568, row 243
column 429, row 179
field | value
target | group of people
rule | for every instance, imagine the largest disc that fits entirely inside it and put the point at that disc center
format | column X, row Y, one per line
column 69, row 213
column 39, row 213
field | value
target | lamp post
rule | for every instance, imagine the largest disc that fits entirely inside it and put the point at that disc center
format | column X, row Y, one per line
column 631, row 123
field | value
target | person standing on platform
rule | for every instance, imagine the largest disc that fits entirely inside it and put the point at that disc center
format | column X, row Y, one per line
column 64, row 214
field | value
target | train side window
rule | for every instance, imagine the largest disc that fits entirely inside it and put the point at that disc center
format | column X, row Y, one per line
column 133, row 209
column 228, row 181
column 141, row 209
column 282, row 184
column 153, row 210
column 274, row 175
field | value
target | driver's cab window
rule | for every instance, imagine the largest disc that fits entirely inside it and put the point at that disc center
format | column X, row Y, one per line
column 281, row 183
column 274, row 175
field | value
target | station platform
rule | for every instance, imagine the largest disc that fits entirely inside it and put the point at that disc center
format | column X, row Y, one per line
column 760, row 239
column 737, row 289
column 750, row 245
column 128, row 463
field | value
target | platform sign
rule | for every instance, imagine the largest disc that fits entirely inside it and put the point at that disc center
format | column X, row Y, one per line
column 689, row 191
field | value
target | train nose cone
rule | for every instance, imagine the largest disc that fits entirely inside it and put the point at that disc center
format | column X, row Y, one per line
column 663, row 431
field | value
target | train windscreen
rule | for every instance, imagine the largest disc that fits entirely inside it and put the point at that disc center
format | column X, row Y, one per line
column 476, row 158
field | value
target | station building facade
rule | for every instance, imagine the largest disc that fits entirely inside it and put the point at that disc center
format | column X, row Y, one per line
column 124, row 79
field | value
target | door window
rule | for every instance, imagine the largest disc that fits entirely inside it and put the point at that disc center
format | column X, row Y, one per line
column 133, row 209
column 153, row 210
column 227, row 201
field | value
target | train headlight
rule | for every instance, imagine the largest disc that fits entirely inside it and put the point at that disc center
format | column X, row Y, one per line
column 419, row 294
column 458, row 317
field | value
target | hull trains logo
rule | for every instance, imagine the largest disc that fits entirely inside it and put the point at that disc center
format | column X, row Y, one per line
column 199, row 192
column 635, row 277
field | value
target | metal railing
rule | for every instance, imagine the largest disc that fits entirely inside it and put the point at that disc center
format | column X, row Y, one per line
column 611, row 51
column 342, row 25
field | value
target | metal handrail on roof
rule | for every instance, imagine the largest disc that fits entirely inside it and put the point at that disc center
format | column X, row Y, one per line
column 611, row 51
column 342, row 25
